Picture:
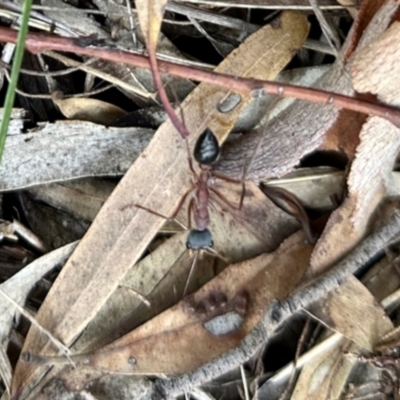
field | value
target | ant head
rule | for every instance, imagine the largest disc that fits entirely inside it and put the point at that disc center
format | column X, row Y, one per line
column 199, row 240
column 206, row 150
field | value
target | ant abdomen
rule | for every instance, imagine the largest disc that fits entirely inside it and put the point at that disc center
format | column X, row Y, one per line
column 206, row 150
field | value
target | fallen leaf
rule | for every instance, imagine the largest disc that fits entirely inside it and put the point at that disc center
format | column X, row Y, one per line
column 150, row 14
column 66, row 150
column 5, row 368
column 199, row 327
column 326, row 375
column 352, row 311
column 375, row 66
column 86, row 109
column 82, row 198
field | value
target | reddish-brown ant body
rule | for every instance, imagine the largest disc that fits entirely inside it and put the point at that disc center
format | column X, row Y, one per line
column 206, row 152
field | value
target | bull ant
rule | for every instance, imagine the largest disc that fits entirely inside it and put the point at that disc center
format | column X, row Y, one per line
column 206, row 152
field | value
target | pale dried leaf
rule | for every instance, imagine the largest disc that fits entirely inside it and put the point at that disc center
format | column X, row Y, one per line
column 5, row 368
column 73, row 18
column 121, row 23
column 350, row 6
column 304, row 127
column 19, row 286
column 265, row 108
column 326, row 375
column 383, row 279
column 352, row 311
column 376, row 67
column 18, row 118
column 82, row 198
column 297, row 131
column 314, row 187
column 68, row 150
column 359, row 317
column 150, row 14
column 87, row 109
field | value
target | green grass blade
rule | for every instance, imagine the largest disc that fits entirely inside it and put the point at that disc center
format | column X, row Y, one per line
column 19, row 53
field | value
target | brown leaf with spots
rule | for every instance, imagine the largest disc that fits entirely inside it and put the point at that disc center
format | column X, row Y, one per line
column 206, row 324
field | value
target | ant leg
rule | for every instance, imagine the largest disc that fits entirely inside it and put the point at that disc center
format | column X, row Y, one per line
column 181, row 201
column 225, row 178
column 176, row 211
column 190, row 160
column 241, row 182
column 223, row 198
column 214, row 253
column 189, row 213
column 190, row 273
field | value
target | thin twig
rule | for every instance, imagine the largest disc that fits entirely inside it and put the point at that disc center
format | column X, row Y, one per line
column 37, row 43
column 49, row 73
column 49, row 95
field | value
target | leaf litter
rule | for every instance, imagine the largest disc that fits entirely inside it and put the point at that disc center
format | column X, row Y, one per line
column 99, row 293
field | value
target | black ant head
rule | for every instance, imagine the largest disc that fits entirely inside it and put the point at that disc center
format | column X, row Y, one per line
column 199, row 240
column 206, row 150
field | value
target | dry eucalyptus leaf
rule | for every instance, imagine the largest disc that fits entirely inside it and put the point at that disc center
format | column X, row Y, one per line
column 157, row 180
column 20, row 284
column 5, row 369
column 150, row 14
column 376, row 66
column 18, row 288
column 350, row 6
column 82, row 197
column 315, row 187
column 210, row 322
column 86, row 109
column 121, row 24
column 325, row 377
column 266, row 107
column 76, row 19
column 60, row 228
column 352, row 311
column 65, row 150
column 18, row 117
column 274, row 46
column 383, row 279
